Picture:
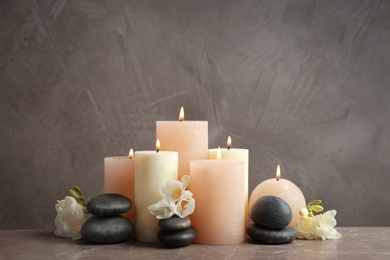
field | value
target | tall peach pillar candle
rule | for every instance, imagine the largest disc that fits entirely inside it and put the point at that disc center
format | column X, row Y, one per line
column 188, row 138
column 284, row 189
column 218, row 189
column 119, row 178
column 152, row 171
column 235, row 154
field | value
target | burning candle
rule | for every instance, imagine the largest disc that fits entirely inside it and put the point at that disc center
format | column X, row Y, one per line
column 119, row 178
column 153, row 169
column 218, row 189
column 284, row 189
column 188, row 138
column 235, row 154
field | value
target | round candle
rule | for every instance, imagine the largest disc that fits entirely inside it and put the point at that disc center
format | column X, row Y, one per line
column 218, row 189
column 119, row 178
column 152, row 171
column 188, row 138
column 235, row 154
column 284, row 189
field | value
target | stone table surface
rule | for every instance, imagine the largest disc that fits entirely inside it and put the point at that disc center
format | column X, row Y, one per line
column 356, row 243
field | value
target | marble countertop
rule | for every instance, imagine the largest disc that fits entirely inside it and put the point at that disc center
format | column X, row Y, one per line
column 356, row 243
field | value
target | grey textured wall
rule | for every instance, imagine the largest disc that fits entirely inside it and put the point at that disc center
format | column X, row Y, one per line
column 301, row 83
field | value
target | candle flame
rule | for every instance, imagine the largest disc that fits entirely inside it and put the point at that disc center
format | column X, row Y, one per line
column 229, row 142
column 131, row 153
column 157, row 145
column 181, row 115
column 219, row 153
column 278, row 172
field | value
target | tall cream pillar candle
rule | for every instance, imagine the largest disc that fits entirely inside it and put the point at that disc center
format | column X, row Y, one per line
column 119, row 178
column 284, row 189
column 152, row 171
column 218, row 189
column 188, row 138
column 235, row 154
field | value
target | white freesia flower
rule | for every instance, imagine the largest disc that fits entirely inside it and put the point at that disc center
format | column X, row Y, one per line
column 176, row 200
column 162, row 209
column 70, row 218
column 318, row 227
column 306, row 227
column 326, row 224
column 172, row 191
column 186, row 205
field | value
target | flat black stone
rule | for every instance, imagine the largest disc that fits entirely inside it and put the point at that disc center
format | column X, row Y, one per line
column 262, row 235
column 177, row 238
column 175, row 223
column 109, row 204
column 107, row 230
column 271, row 212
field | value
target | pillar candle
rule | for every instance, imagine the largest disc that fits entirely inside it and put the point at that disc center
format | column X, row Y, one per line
column 119, row 178
column 235, row 154
column 284, row 189
column 152, row 171
column 188, row 138
column 218, row 189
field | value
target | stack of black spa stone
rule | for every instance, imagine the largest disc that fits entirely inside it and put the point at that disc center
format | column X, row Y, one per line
column 106, row 226
column 176, row 231
column 271, row 216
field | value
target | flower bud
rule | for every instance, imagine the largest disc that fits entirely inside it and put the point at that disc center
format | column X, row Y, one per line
column 303, row 212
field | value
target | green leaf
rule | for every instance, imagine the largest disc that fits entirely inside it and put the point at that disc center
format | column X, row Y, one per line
column 316, row 202
column 317, row 208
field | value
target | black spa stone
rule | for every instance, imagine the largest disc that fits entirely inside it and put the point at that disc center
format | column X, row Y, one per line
column 175, row 223
column 109, row 204
column 107, row 230
column 177, row 238
column 271, row 212
column 262, row 235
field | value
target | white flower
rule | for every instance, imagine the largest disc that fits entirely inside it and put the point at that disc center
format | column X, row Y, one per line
column 318, row 227
column 306, row 227
column 70, row 218
column 172, row 191
column 162, row 209
column 175, row 200
column 186, row 205
column 326, row 224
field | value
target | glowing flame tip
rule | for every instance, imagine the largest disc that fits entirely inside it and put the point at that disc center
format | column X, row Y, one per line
column 229, row 142
column 278, row 172
column 219, row 156
column 131, row 153
column 181, row 115
column 157, row 145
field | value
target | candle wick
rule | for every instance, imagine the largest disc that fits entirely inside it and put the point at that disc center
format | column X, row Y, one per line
column 277, row 179
column 157, row 150
column 228, row 147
